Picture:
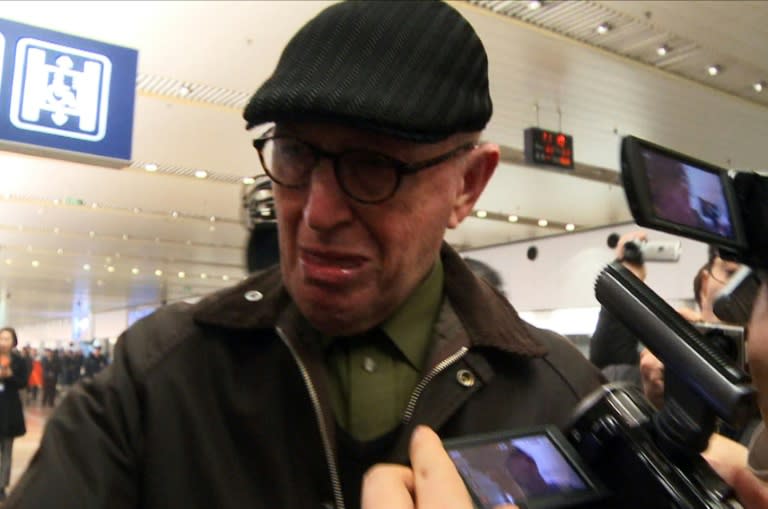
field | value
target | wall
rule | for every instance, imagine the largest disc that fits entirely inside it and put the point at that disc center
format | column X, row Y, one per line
column 563, row 275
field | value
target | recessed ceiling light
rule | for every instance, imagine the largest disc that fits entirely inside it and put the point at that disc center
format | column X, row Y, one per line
column 570, row 227
column 158, row 272
column 150, row 167
column 203, row 276
column 110, row 268
column 603, row 28
column 135, row 271
column 211, row 228
column 91, row 234
column 182, row 275
column 60, row 251
column 512, row 219
column 35, row 263
column 56, row 230
column 125, row 236
column 86, row 267
column 758, row 86
column 201, row 174
column 662, row 50
column 136, row 210
column 543, row 222
column 714, row 70
column 225, row 277
column 175, row 214
column 94, row 205
column 56, row 201
column 8, row 261
column 534, row 4
column 481, row 213
column 184, row 90
column 248, row 181
column 212, row 219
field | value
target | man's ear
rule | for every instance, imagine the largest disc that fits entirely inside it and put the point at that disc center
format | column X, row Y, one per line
column 481, row 163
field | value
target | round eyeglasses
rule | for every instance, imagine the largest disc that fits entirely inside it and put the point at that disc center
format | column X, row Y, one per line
column 365, row 176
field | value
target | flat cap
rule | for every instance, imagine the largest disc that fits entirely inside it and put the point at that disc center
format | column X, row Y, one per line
column 413, row 70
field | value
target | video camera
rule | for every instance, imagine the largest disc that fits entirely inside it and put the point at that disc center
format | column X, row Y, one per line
column 628, row 454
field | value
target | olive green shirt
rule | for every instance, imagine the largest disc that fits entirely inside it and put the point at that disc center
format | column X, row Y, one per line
column 372, row 375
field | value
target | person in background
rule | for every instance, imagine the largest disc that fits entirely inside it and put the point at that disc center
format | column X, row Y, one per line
column 613, row 347
column 51, row 370
column 35, row 382
column 13, row 378
column 281, row 391
column 94, row 363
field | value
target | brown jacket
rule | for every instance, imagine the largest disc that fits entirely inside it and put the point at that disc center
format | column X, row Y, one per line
column 224, row 404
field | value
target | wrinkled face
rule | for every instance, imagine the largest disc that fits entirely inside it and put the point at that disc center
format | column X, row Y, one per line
column 712, row 282
column 6, row 341
column 348, row 265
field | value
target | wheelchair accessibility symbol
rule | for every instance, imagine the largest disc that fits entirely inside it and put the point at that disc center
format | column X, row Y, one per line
column 60, row 90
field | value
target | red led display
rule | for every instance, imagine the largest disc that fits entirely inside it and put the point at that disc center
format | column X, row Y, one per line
column 548, row 148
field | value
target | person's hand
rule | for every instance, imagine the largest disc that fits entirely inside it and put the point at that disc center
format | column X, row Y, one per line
column 751, row 491
column 757, row 349
column 652, row 377
column 690, row 314
column 433, row 483
column 638, row 235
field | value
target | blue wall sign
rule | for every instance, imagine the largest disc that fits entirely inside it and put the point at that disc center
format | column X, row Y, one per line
column 65, row 96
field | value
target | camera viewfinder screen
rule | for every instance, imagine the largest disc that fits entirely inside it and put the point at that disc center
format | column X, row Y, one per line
column 517, row 469
column 687, row 195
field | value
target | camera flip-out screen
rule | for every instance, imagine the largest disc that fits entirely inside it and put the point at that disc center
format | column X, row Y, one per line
column 533, row 468
column 672, row 192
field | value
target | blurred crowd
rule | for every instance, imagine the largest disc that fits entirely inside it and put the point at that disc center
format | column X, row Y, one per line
column 52, row 371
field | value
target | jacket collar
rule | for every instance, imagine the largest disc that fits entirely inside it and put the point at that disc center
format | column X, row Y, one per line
column 487, row 316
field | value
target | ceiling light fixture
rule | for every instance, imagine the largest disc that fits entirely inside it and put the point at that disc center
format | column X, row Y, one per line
column 543, row 222
column 212, row 219
column 201, row 174
column 150, row 167
column 603, row 28
column 662, row 50
column 56, row 230
column 110, row 268
column 86, row 267
column 534, row 4
column 512, row 219
column 225, row 277
column 570, row 227
column 135, row 271
column 35, row 263
column 714, row 70
column 249, row 180
column 158, row 272
column 59, row 251
column 758, row 86
column 175, row 214
column 91, row 234
column 136, row 210
column 203, row 276
column 481, row 214
column 94, row 205
column 182, row 275
column 125, row 236
column 8, row 261
column 184, row 91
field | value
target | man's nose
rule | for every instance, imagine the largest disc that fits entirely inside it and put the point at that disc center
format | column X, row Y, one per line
column 327, row 205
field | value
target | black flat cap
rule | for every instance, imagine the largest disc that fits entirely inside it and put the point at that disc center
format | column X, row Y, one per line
column 414, row 70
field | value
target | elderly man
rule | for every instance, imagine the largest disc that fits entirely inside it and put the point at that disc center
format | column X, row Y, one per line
column 283, row 390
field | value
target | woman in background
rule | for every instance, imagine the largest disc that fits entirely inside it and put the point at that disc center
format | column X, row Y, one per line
column 13, row 378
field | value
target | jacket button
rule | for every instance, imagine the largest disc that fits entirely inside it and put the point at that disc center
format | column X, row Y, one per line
column 253, row 296
column 465, row 377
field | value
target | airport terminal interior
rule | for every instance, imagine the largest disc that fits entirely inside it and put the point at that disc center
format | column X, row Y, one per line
column 151, row 194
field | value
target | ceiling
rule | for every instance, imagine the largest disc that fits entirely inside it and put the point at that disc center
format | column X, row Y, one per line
column 78, row 238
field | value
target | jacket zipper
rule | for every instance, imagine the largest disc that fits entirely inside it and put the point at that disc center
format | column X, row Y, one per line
column 408, row 414
column 335, row 482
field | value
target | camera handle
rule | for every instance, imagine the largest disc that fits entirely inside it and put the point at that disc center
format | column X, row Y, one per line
column 682, row 428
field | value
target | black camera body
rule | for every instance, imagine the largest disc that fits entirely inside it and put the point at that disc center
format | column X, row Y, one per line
column 615, row 433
